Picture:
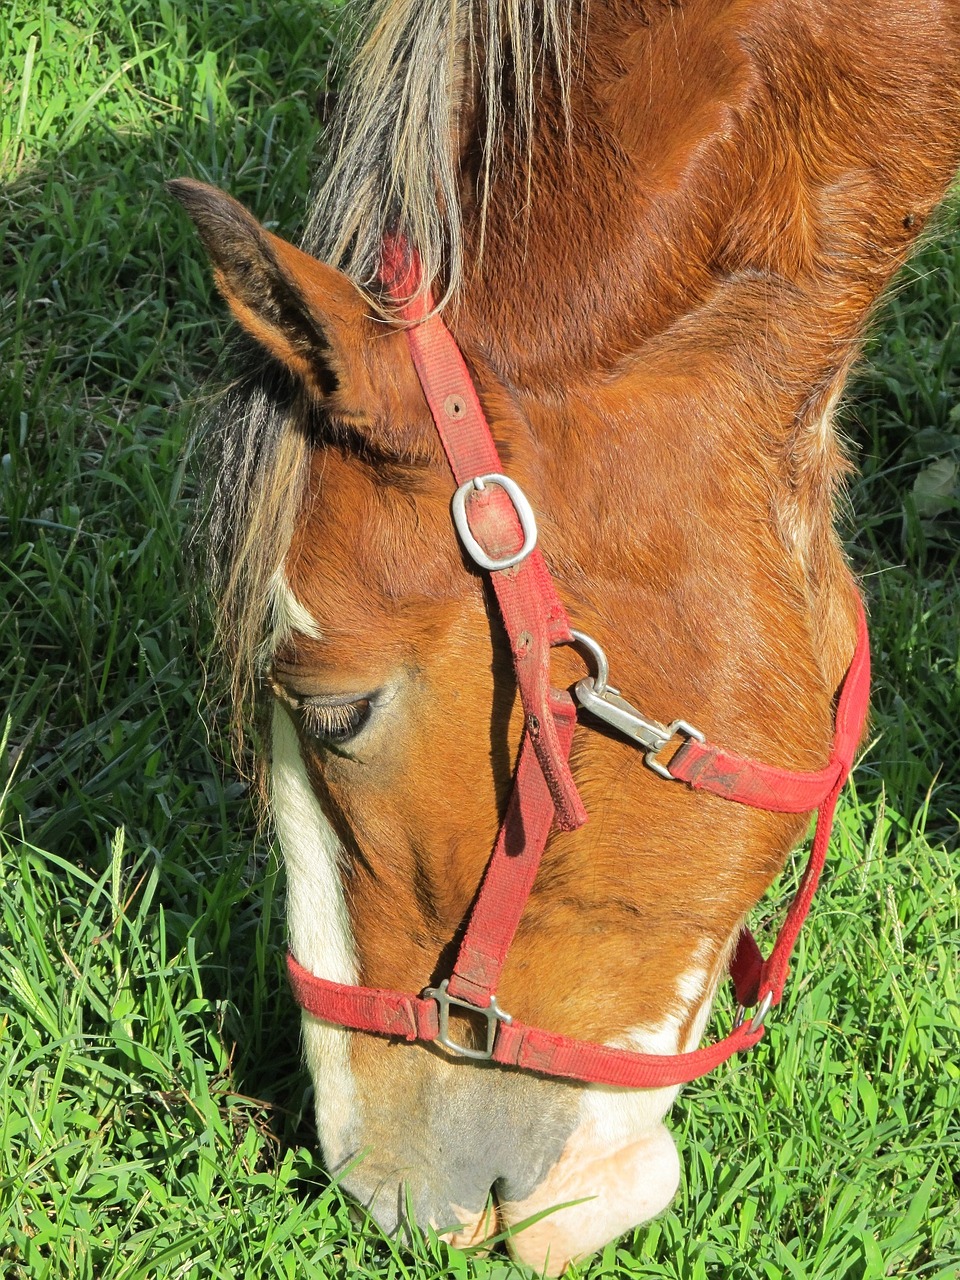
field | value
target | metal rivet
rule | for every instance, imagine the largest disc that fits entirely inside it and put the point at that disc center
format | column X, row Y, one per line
column 533, row 725
column 455, row 406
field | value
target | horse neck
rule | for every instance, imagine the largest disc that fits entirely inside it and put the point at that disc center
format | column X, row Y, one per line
column 700, row 143
column 662, row 285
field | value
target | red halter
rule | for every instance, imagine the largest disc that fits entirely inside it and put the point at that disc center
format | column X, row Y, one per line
column 498, row 529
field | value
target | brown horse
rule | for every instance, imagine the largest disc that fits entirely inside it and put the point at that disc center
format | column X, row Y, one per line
column 657, row 231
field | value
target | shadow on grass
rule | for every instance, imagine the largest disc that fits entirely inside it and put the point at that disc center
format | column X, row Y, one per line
column 110, row 329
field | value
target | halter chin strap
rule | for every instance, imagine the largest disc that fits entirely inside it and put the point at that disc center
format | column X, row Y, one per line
column 498, row 530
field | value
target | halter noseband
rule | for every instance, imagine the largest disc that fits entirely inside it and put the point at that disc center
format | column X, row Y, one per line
column 498, row 530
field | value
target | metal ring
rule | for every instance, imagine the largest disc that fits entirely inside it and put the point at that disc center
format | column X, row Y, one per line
column 528, row 521
column 756, row 1022
column 599, row 685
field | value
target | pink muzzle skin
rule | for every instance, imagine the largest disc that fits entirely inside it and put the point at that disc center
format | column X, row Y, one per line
column 498, row 530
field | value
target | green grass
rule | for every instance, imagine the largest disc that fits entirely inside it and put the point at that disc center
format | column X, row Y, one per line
column 154, row 1118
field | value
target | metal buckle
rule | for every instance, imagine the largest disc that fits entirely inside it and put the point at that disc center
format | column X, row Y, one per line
column 756, row 1022
column 604, row 701
column 528, row 521
column 674, row 727
column 494, row 1015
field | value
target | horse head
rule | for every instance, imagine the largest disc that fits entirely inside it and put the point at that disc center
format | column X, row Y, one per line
column 658, row 344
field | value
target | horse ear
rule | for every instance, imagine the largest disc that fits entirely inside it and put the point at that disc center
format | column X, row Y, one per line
column 307, row 315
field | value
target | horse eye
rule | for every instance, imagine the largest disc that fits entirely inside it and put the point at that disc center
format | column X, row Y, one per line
column 333, row 723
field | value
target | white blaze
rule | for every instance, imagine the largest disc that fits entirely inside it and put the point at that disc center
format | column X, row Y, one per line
column 319, row 928
column 287, row 614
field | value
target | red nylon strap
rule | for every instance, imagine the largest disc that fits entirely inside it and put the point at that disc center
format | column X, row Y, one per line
column 510, row 873
column 531, row 610
column 851, row 714
column 746, row 969
column 708, row 768
column 386, row 1013
column 554, row 1055
column 414, row 1018
column 544, row 788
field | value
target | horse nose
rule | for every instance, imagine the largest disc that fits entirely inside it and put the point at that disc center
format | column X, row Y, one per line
column 433, row 1140
column 592, row 1194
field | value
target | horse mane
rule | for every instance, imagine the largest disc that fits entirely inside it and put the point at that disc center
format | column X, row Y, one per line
column 394, row 154
column 392, row 164
column 255, row 461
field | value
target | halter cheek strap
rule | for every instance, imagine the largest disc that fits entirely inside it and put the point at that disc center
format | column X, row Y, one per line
column 498, row 530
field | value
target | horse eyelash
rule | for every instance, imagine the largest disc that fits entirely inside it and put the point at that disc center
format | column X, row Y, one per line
column 336, row 722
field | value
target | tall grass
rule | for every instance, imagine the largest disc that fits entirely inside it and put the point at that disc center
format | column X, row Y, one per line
column 154, row 1117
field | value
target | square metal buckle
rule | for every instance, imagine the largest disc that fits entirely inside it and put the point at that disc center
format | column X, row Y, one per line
column 494, row 1015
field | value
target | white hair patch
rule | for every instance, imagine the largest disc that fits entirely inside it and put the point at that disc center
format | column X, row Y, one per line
column 319, row 930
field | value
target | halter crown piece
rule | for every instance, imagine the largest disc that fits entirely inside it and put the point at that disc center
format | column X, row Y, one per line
column 498, row 529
